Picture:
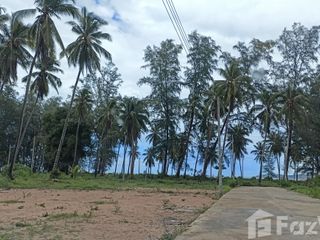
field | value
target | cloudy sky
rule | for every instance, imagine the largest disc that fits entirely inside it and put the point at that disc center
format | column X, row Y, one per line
column 134, row 24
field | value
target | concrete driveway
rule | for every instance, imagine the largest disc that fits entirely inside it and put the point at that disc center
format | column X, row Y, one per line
column 268, row 213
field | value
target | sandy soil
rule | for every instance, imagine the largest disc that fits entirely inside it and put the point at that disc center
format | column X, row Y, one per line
column 68, row 214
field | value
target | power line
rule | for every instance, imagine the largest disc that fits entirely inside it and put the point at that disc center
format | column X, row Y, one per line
column 175, row 13
column 175, row 28
column 175, row 25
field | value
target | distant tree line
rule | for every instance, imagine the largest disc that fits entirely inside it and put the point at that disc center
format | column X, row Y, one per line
column 271, row 87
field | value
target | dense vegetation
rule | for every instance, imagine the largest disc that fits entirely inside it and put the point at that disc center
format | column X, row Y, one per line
column 271, row 87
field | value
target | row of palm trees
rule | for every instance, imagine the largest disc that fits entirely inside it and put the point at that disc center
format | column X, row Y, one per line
column 214, row 121
column 34, row 46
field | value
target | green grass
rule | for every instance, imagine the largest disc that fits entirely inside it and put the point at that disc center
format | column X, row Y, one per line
column 84, row 181
column 89, row 182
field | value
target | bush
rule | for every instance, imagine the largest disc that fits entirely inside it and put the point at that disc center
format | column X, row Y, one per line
column 18, row 169
column 74, row 171
column 55, row 174
column 285, row 184
column 268, row 179
column 233, row 183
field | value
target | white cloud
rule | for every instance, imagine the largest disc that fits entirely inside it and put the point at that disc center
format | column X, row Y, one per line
column 140, row 23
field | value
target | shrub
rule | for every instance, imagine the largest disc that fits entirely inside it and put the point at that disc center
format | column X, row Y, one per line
column 55, row 174
column 74, row 171
column 18, row 169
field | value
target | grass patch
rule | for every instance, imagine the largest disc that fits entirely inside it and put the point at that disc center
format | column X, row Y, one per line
column 89, row 182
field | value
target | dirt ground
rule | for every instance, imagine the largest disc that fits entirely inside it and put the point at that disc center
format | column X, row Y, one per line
column 70, row 214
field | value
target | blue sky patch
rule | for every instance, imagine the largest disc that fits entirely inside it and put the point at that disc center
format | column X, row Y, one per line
column 116, row 17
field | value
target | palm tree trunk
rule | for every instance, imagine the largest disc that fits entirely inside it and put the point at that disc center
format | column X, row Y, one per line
column 129, row 165
column 133, row 158
column 165, row 160
column 288, row 153
column 65, row 126
column 220, row 153
column 96, row 167
column 206, row 162
column 9, row 154
column 185, row 146
column 25, row 129
column 233, row 164
column 75, row 162
column 242, row 172
column 117, row 159
column 22, row 116
column 186, row 165
column 196, row 164
column 132, row 166
column 168, row 164
column 33, row 153
column 260, row 172
column 278, row 164
column 207, row 155
column 124, row 162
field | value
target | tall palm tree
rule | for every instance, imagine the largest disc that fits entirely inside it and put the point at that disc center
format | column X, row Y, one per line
column 237, row 143
column 149, row 159
column 106, row 121
column 43, row 78
column 234, row 91
column 83, row 103
column 84, row 52
column 45, row 35
column 13, row 51
column 260, row 156
column 275, row 144
column 266, row 111
column 293, row 106
column 134, row 117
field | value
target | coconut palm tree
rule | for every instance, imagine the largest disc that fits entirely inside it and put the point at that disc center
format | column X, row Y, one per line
column 232, row 92
column 44, row 77
column 45, row 35
column 266, row 111
column 42, row 80
column 275, row 144
column 106, row 121
column 235, row 90
column 260, row 156
column 84, row 52
column 134, row 118
column 149, row 159
column 293, row 104
column 13, row 51
column 83, row 103
column 237, row 143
